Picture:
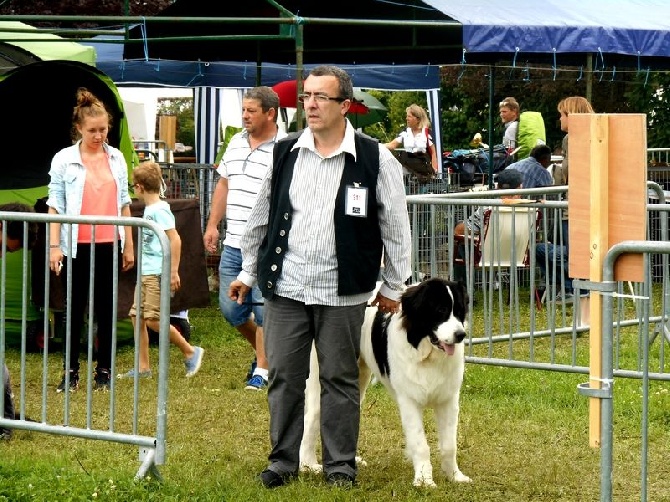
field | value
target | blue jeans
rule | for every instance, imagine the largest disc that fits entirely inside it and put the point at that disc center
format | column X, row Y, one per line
column 229, row 267
column 556, row 257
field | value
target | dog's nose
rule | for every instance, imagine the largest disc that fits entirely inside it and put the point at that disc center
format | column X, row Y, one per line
column 459, row 336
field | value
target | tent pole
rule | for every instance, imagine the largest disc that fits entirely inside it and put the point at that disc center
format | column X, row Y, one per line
column 492, row 84
column 299, row 49
column 589, row 77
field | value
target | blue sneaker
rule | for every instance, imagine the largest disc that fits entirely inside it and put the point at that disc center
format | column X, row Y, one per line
column 256, row 382
column 131, row 374
column 250, row 373
column 193, row 363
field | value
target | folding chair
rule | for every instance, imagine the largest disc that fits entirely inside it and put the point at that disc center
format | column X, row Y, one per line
column 503, row 245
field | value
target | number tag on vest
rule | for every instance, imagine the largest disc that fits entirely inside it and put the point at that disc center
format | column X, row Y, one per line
column 357, row 201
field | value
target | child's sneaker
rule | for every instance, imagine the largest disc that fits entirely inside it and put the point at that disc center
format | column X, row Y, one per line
column 193, row 363
column 131, row 374
column 256, row 382
column 74, row 382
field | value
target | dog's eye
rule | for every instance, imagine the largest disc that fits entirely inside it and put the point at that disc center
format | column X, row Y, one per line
column 443, row 311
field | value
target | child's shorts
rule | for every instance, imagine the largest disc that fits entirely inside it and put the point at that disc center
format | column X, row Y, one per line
column 150, row 297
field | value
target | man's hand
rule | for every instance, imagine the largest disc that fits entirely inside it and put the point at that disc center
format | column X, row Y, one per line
column 385, row 304
column 237, row 291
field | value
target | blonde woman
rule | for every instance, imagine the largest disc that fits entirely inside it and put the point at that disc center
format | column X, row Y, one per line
column 416, row 138
column 555, row 253
column 572, row 104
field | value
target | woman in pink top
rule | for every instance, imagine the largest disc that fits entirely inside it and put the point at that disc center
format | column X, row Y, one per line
column 89, row 178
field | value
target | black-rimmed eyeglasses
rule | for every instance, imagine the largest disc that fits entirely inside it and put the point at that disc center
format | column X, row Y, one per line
column 319, row 97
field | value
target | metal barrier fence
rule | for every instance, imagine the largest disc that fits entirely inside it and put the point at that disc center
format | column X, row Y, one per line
column 87, row 414
column 503, row 287
column 520, row 317
column 197, row 181
column 649, row 355
column 524, row 318
column 191, row 181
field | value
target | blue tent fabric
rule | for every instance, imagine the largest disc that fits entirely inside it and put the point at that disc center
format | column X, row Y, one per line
column 210, row 77
column 629, row 27
column 243, row 74
column 240, row 75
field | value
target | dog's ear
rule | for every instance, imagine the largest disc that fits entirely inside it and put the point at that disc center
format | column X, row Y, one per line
column 464, row 289
column 424, row 349
column 459, row 288
column 414, row 296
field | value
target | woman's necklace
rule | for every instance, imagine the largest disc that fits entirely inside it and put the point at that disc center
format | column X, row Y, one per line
column 93, row 160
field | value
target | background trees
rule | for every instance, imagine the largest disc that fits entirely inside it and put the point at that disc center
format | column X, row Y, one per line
column 182, row 108
column 82, row 8
column 465, row 100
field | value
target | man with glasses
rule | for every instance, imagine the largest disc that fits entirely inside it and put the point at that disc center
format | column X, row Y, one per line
column 13, row 242
column 332, row 205
column 242, row 169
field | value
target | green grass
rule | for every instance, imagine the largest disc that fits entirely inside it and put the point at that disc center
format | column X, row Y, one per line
column 523, row 436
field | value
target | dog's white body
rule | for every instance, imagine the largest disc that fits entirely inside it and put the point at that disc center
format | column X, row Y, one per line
column 419, row 372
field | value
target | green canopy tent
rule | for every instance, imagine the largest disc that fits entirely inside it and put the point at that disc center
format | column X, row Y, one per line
column 22, row 44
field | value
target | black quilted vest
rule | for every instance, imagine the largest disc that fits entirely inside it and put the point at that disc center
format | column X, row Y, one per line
column 358, row 240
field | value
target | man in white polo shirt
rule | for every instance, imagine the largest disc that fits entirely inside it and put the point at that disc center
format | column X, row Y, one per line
column 242, row 169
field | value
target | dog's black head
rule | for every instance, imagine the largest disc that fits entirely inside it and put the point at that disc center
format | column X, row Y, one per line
column 435, row 309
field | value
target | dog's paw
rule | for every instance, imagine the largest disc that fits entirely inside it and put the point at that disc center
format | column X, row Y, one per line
column 311, row 467
column 459, row 477
column 425, row 482
column 361, row 462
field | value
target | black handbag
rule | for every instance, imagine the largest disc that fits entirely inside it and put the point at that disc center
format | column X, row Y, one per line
column 418, row 164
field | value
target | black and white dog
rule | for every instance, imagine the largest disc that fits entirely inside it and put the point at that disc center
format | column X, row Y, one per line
column 418, row 355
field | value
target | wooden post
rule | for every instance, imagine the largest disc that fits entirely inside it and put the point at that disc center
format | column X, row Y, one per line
column 607, row 204
column 598, row 247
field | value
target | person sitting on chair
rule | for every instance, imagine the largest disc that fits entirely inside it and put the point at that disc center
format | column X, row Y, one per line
column 509, row 179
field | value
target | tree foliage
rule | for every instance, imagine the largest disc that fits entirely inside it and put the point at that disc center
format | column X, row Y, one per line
column 650, row 97
column 182, row 108
column 465, row 100
column 82, row 8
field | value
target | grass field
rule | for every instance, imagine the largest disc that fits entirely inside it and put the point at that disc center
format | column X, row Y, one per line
column 523, row 436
